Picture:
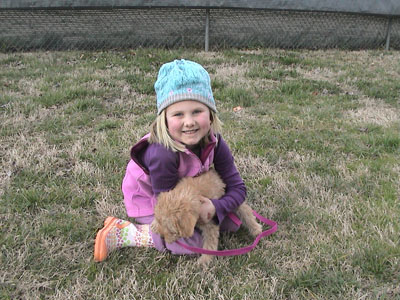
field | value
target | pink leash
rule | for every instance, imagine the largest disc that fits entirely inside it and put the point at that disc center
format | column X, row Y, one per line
column 239, row 251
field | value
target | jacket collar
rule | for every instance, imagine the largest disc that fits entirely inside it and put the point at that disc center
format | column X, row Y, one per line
column 144, row 143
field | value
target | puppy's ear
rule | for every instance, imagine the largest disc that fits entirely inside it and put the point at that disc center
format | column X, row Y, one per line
column 187, row 224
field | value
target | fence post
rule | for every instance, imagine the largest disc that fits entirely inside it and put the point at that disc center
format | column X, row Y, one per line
column 389, row 28
column 207, row 30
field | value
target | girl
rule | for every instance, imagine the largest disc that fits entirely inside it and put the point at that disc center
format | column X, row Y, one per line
column 184, row 140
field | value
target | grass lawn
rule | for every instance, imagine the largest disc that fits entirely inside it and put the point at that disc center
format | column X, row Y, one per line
column 316, row 141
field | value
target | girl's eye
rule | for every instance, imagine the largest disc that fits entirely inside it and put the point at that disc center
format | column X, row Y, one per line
column 197, row 111
column 177, row 114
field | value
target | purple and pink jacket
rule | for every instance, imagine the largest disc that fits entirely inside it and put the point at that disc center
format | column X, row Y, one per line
column 154, row 169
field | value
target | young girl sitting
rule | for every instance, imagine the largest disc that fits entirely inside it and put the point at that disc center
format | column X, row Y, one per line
column 184, row 140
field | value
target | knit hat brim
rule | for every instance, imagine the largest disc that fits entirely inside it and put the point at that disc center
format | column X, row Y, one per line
column 186, row 96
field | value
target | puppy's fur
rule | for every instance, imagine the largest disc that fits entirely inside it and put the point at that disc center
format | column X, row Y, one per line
column 177, row 212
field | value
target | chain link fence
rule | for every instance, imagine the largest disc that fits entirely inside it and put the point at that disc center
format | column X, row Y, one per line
column 121, row 28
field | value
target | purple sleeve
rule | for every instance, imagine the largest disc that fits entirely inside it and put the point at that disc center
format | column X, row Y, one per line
column 235, row 192
column 163, row 167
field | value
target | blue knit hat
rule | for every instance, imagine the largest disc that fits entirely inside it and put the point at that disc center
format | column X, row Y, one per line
column 183, row 80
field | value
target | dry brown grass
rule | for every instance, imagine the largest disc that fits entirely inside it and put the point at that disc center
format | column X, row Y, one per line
column 376, row 112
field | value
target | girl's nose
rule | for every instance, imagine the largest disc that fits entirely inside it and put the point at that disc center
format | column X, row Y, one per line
column 189, row 121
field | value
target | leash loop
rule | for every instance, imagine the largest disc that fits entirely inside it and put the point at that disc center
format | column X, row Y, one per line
column 239, row 251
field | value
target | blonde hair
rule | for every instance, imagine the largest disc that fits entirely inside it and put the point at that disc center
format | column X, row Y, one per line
column 159, row 132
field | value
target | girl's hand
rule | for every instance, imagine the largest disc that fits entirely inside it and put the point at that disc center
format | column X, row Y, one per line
column 207, row 210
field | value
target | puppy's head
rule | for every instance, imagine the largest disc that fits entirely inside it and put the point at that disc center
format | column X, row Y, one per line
column 176, row 215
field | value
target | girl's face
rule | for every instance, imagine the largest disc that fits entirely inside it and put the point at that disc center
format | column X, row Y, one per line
column 188, row 122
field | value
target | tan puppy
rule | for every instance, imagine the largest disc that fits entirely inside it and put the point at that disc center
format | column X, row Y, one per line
column 177, row 212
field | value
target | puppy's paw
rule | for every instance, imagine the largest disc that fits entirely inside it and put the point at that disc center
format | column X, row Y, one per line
column 204, row 260
column 154, row 226
column 255, row 230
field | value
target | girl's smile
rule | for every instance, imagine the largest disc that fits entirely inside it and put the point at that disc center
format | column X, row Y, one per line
column 188, row 122
column 190, row 132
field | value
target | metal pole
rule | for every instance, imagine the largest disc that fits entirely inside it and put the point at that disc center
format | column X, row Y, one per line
column 389, row 28
column 206, row 38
